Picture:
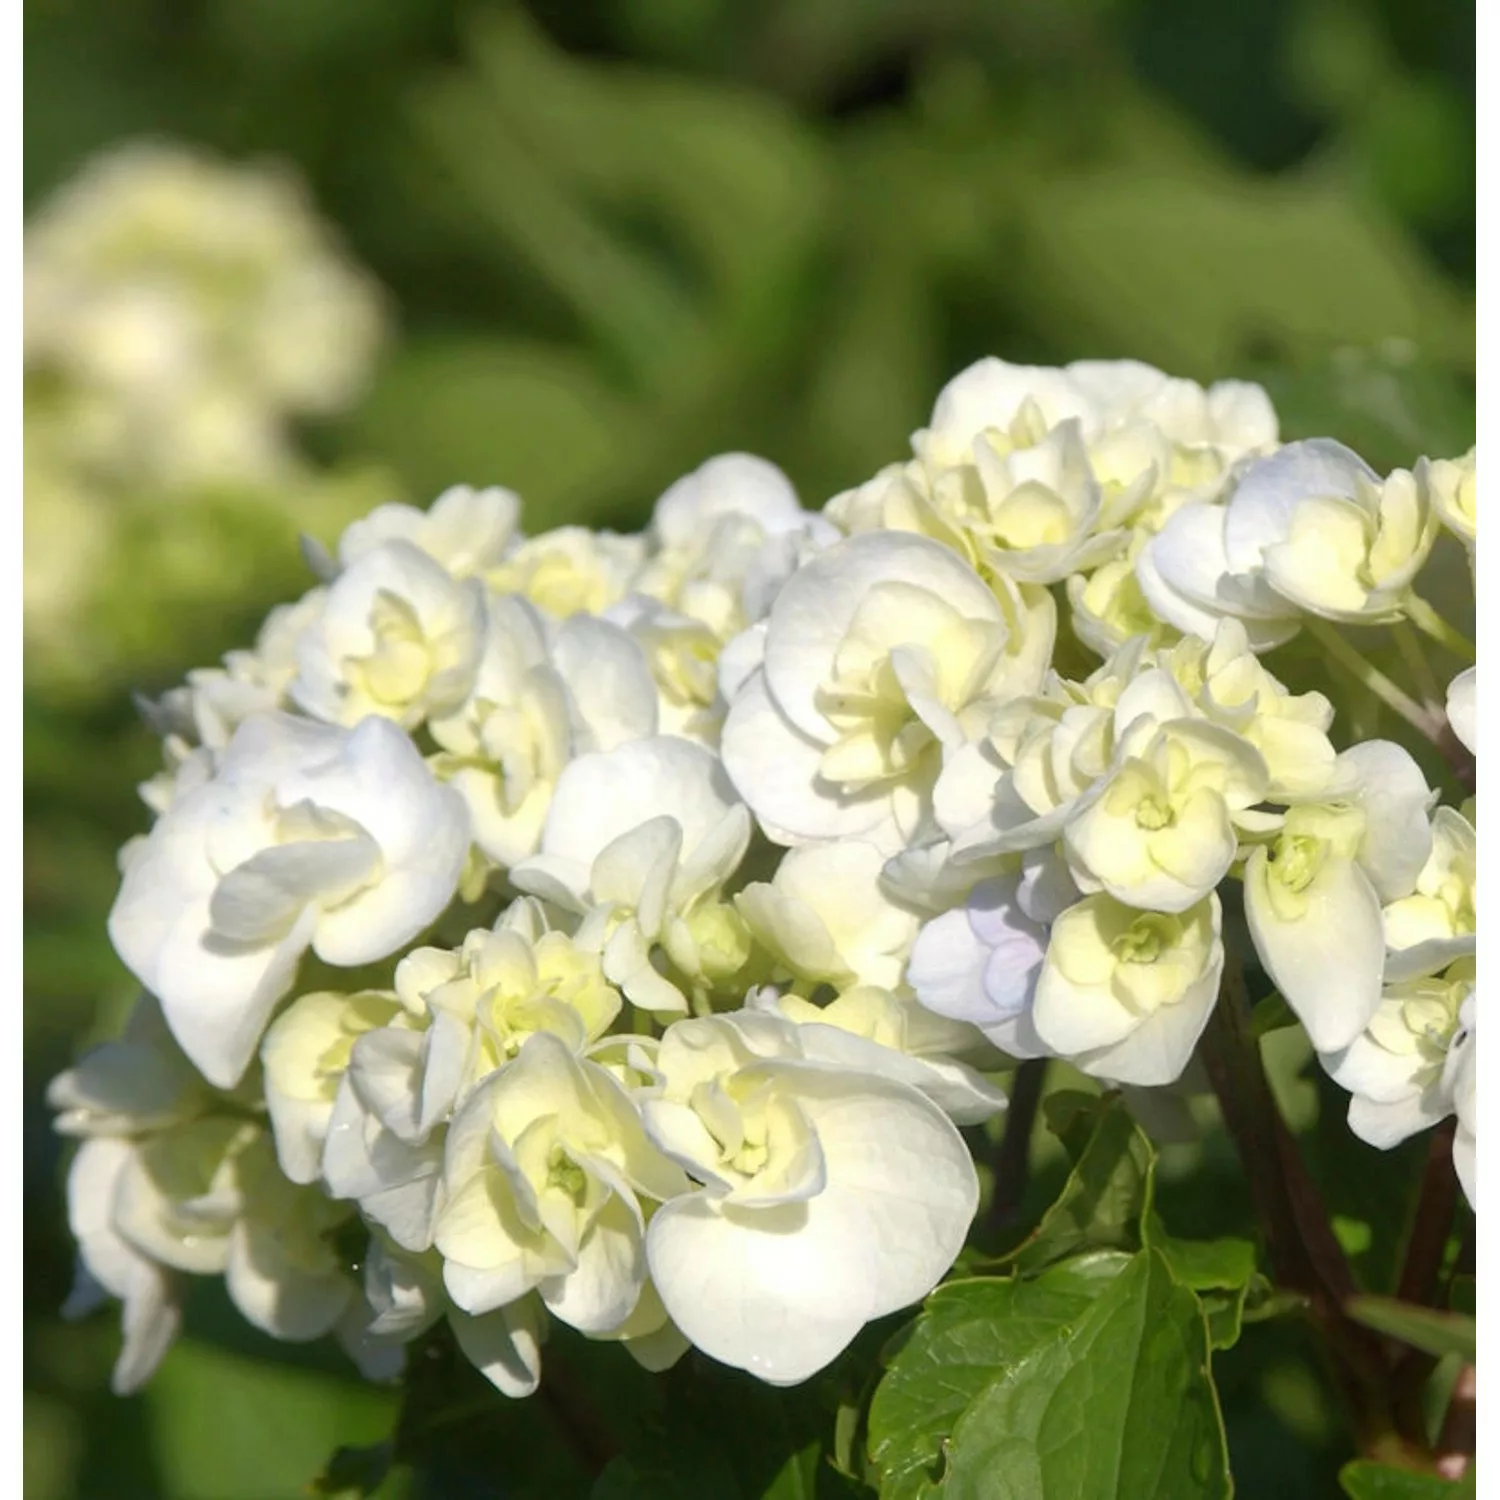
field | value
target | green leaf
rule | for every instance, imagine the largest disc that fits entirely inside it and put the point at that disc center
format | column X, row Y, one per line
column 969, row 1333
column 1384, row 403
column 722, row 1433
column 1364, row 1480
column 696, row 1470
column 1296, row 264
column 1118, row 1403
column 1107, row 1191
column 1224, row 1313
column 1221, row 1271
column 1203, row 1264
column 230, row 1428
column 1424, row 1328
column 354, row 1473
column 1271, row 1014
column 1437, row 1395
column 536, row 418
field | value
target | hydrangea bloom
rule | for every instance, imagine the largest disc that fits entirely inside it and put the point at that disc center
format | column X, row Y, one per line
column 694, row 887
column 186, row 308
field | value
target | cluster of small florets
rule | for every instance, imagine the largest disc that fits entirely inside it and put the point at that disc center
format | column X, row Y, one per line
column 183, row 316
column 181, row 312
column 617, row 929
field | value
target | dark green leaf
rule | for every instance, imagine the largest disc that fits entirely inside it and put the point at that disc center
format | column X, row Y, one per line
column 722, row 1433
column 1221, row 1271
column 1108, row 1189
column 1118, row 1403
column 1224, row 1312
column 969, row 1333
column 353, row 1473
column 1203, row 1264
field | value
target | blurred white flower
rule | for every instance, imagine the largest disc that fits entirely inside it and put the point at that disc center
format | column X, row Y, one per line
column 186, row 308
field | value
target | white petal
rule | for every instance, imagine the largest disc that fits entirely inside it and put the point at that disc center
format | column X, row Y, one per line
column 1188, row 556
column 726, row 485
column 112, row 1262
column 1160, row 1048
column 217, row 999
column 277, row 1295
column 1073, row 1020
column 215, row 995
column 481, row 1290
column 1428, row 957
column 1328, row 964
column 385, row 1071
column 607, row 675
column 599, row 1293
column 504, row 1346
column 741, row 657
column 422, row 827
column 1166, row 601
column 601, row 796
column 1155, row 696
column 963, row 1094
column 1463, row 710
column 947, row 966
column 300, row 1126
column 1365, row 1067
column 1046, row 888
column 775, row 769
column 813, row 613
column 1384, row 1124
column 990, row 393
column 260, row 900
column 396, row 1184
column 1463, row 1162
column 966, row 788
column 636, row 868
column 660, row 1349
column 782, row 1291
column 1260, row 508
column 404, row 1292
column 150, row 1321
column 1395, row 798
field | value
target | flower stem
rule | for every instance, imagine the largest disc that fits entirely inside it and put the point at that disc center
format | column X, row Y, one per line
column 1432, row 1220
column 1372, row 678
column 1304, row 1254
column 1421, row 669
column 1431, row 623
column 1013, row 1153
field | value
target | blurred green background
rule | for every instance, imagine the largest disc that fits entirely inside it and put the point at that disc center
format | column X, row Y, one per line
column 618, row 236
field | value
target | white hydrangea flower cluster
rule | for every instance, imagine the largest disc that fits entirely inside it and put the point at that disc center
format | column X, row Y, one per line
column 617, row 929
column 180, row 311
column 183, row 315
